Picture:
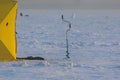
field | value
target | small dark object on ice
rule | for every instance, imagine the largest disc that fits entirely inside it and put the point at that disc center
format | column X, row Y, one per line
column 27, row 15
column 21, row 14
column 30, row 58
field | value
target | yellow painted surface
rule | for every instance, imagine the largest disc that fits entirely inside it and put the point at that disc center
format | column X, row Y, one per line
column 8, row 11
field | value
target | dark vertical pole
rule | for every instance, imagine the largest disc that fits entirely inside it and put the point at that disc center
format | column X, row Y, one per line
column 67, row 42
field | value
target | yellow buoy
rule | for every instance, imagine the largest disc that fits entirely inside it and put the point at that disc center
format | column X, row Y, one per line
column 8, row 48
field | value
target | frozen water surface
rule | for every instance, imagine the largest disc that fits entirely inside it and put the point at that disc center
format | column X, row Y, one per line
column 94, row 43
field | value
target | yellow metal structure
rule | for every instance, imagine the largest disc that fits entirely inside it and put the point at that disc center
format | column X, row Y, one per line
column 8, row 11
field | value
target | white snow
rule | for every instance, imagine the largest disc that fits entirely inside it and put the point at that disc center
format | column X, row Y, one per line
column 94, row 43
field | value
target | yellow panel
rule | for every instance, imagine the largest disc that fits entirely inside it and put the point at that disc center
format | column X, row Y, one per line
column 4, row 51
column 5, row 7
column 8, row 11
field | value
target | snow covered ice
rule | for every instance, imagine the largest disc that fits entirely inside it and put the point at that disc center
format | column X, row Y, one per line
column 94, row 43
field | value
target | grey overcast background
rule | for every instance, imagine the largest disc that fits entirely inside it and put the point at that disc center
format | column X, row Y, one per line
column 69, row 4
